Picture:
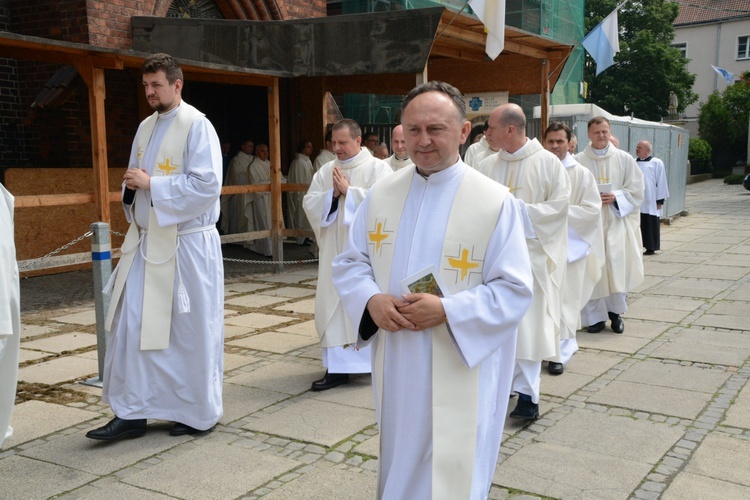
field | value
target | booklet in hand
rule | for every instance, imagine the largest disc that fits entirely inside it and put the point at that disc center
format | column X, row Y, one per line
column 425, row 281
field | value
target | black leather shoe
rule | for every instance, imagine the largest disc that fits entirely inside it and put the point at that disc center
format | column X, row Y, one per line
column 555, row 368
column 182, row 429
column 118, row 428
column 618, row 325
column 597, row 327
column 329, row 381
column 649, row 252
column 525, row 410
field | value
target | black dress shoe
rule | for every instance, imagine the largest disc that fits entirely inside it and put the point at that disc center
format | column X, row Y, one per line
column 597, row 327
column 555, row 368
column 525, row 410
column 649, row 252
column 618, row 325
column 118, row 428
column 329, row 381
column 182, row 429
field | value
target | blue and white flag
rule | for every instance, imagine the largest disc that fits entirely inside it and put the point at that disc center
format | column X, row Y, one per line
column 492, row 15
column 603, row 42
column 726, row 75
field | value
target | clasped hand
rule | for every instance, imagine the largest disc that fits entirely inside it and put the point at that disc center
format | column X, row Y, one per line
column 137, row 178
column 415, row 312
column 340, row 183
column 607, row 198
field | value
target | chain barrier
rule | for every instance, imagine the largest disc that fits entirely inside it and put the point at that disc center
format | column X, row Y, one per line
column 306, row 261
column 87, row 234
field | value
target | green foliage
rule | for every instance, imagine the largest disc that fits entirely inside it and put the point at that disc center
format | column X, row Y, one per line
column 734, row 179
column 699, row 149
column 647, row 68
column 723, row 121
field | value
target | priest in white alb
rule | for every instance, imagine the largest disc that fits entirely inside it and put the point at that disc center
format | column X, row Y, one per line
column 620, row 184
column 400, row 157
column 300, row 172
column 442, row 358
column 337, row 189
column 537, row 178
column 655, row 193
column 585, row 243
column 324, row 155
column 165, row 346
column 233, row 218
column 10, row 315
column 258, row 206
column 478, row 152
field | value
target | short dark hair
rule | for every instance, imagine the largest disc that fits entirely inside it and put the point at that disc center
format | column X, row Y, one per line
column 597, row 120
column 350, row 124
column 437, row 86
column 555, row 126
column 301, row 145
column 163, row 62
column 370, row 136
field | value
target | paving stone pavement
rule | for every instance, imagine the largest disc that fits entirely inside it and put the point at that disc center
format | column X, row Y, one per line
column 661, row 411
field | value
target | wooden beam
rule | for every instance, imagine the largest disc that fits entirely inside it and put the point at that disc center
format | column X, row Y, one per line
column 544, row 118
column 274, row 146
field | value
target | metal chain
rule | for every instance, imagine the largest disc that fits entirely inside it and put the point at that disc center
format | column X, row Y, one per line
column 116, row 233
column 308, row 261
column 87, row 234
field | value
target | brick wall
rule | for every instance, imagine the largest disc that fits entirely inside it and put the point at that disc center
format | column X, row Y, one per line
column 11, row 130
column 301, row 9
column 109, row 20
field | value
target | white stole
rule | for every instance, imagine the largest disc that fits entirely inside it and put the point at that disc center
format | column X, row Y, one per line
column 455, row 388
column 158, row 286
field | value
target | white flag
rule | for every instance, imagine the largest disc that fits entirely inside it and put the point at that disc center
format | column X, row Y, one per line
column 603, row 42
column 492, row 15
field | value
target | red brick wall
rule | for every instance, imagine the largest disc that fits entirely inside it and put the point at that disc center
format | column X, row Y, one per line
column 301, row 9
column 109, row 20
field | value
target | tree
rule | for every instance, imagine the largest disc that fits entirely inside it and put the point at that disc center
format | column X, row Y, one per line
column 647, row 68
column 723, row 122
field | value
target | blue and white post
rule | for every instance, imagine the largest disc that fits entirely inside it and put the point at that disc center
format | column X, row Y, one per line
column 101, row 261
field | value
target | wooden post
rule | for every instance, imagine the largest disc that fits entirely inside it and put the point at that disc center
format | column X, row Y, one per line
column 274, row 146
column 544, row 118
column 94, row 78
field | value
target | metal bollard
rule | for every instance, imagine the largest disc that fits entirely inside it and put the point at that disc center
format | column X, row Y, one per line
column 101, row 261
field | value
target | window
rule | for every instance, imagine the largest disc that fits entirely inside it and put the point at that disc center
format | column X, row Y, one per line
column 743, row 47
column 682, row 47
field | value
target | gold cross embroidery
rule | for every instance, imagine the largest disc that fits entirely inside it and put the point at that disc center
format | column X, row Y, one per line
column 377, row 236
column 511, row 188
column 463, row 263
column 166, row 167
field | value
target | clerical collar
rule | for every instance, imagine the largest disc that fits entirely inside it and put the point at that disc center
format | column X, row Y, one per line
column 648, row 158
column 169, row 114
column 435, row 174
column 600, row 152
column 348, row 160
column 518, row 151
column 400, row 159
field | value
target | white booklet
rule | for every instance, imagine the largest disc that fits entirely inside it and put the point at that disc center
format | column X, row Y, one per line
column 425, row 281
column 605, row 188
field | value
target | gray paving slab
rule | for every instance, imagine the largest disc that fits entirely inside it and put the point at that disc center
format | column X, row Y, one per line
column 31, row 330
column 741, row 293
column 648, row 283
column 658, row 303
column 313, row 421
column 85, row 317
column 652, row 398
column 739, row 260
column 656, row 268
column 730, row 322
column 274, row 342
column 358, row 392
column 304, row 328
column 59, row 370
column 644, row 311
column 211, row 470
column 300, row 307
column 287, row 277
column 326, row 484
column 567, row 473
column 234, row 361
column 716, row 272
column 690, row 378
column 686, row 485
column 722, row 457
column 280, row 376
column 369, row 447
column 254, row 300
column 738, row 415
column 117, row 491
column 24, row 478
column 289, row 292
column 35, row 419
column 563, row 385
column 241, row 401
column 64, row 342
column 76, row 451
column 723, row 348
column 26, row 355
column 591, row 362
column 236, row 331
column 704, row 289
column 244, row 287
column 257, row 320
column 609, row 341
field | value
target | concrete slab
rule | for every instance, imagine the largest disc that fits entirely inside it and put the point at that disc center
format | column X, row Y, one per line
column 280, row 376
column 645, row 329
column 254, row 300
column 638, row 440
column 708, row 247
column 24, row 478
column 301, row 307
column 235, row 331
column 646, row 312
column 274, row 342
column 369, row 447
column 656, row 268
column 687, row 485
column 722, row 457
column 563, row 385
column 211, row 470
column 652, row 399
column 725, row 321
column 313, row 421
column 241, row 401
column 742, row 293
column 234, row 361
column 704, row 289
column 306, row 328
column 738, row 415
column 28, row 331
column 732, row 260
column 716, row 272
column 671, row 303
column 257, row 320
column 566, row 473
column 59, row 370
column 722, row 348
column 76, row 451
column 289, row 292
column 35, row 419
column 289, row 278
column 358, row 393
column 244, row 287
column 325, row 484
column 80, row 318
column 64, row 342
column 690, row 378
column 591, row 363
column 648, row 283
column 608, row 341
column 117, row 491
column 26, row 355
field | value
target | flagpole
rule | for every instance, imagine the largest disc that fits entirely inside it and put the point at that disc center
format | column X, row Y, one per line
column 453, row 19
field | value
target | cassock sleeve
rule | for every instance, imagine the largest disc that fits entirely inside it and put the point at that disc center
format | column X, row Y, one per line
column 584, row 213
column 484, row 318
column 318, row 200
column 180, row 198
